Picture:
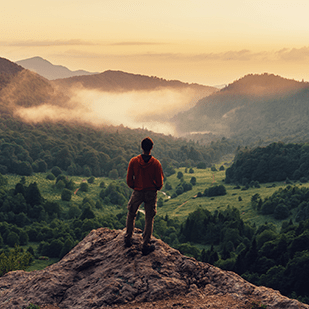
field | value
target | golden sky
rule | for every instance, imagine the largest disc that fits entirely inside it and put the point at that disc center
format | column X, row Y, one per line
column 208, row 42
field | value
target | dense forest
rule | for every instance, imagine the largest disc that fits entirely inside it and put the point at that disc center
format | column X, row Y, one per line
column 262, row 255
column 85, row 150
column 276, row 162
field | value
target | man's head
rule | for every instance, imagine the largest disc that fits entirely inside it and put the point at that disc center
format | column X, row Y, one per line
column 147, row 144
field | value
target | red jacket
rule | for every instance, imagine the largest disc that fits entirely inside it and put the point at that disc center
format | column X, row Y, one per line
column 145, row 176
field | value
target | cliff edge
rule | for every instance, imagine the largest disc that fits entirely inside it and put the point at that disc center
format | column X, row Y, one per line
column 101, row 273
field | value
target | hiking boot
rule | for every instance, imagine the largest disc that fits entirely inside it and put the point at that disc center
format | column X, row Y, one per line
column 127, row 242
column 148, row 249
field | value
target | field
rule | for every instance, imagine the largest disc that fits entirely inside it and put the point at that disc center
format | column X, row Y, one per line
column 179, row 206
column 187, row 202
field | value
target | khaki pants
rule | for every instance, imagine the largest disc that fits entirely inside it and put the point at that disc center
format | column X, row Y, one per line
column 150, row 202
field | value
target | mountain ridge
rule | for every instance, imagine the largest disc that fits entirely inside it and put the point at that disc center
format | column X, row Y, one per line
column 101, row 273
column 252, row 107
column 48, row 70
column 120, row 81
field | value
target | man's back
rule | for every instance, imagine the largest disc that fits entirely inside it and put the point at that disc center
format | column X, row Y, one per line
column 145, row 173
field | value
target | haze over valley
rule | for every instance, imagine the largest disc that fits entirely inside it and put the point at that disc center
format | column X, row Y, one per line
column 263, row 107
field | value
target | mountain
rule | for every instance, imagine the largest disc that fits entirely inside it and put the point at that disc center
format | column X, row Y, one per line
column 254, row 107
column 118, row 81
column 101, row 273
column 49, row 70
column 21, row 87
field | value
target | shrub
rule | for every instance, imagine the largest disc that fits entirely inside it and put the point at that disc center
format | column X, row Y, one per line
column 221, row 168
column 84, row 187
column 168, row 186
column 201, row 165
column 66, row 195
column 56, row 171
column 193, row 181
column 102, row 184
column 50, row 176
column 215, row 191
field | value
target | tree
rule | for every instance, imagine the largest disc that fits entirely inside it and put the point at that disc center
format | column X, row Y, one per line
column 73, row 212
column 56, row 171
column 193, row 181
column 66, row 195
column 113, row 174
column 67, row 246
column 84, row 187
column 87, row 214
column 179, row 175
column 12, row 239
column 23, row 238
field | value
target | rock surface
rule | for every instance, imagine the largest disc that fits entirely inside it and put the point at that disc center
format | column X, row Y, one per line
column 101, row 273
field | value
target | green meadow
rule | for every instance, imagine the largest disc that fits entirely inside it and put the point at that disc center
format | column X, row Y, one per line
column 187, row 202
column 180, row 206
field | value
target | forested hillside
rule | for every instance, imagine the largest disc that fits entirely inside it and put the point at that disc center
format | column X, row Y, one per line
column 84, row 150
column 276, row 162
column 78, row 148
column 256, row 107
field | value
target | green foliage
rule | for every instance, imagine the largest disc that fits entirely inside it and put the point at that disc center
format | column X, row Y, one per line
column 258, row 306
column 84, row 187
column 32, row 306
column 283, row 201
column 50, row 176
column 113, row 174
column 193, row 181
column 117, row 193
column 215, row 191
column 102, row 184
column 13, row 260
column 201, row 165
column 179, row 175
column 66, row 195
column 56, row 171
column 3, row 181
column 91, row 179
column 276, row 162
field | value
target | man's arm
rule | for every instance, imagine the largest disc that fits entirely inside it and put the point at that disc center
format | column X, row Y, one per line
column 130, row 174
column 159, row 176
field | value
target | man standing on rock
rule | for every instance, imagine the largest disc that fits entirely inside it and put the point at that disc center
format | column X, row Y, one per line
column 145, row 177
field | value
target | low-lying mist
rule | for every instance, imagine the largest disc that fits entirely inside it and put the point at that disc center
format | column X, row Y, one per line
column 137, row 109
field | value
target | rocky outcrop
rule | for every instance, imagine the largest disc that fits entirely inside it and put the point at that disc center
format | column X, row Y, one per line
column 100, row 272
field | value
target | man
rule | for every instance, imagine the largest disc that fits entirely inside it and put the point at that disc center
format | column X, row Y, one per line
column 145, row 177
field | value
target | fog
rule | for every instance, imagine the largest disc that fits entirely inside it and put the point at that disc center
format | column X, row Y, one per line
column 137, row 109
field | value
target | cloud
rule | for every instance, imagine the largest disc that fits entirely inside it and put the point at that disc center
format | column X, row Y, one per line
column 136, row 109
column 32, row 43
column 294, row 54
column 141, row 43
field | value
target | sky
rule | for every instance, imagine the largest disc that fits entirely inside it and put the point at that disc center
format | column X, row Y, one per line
column 196, row 41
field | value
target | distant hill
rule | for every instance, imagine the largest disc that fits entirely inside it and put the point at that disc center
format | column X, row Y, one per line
column 49, row 70
column 118, row 81
column 21, row 87
column 8, row 70
column 252, row 108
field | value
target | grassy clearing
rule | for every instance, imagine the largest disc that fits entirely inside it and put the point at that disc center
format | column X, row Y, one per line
column 179, row 207
column 185, row 203
column 50, row 193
